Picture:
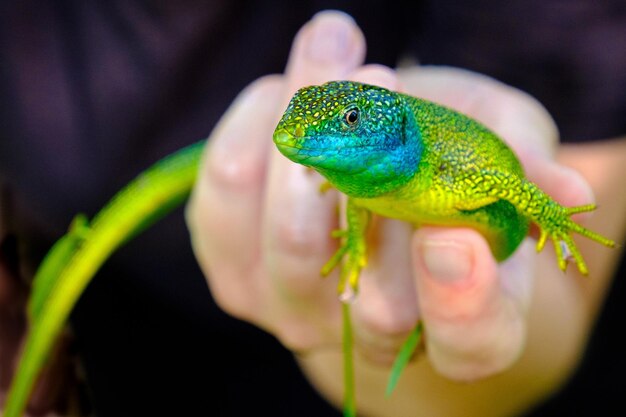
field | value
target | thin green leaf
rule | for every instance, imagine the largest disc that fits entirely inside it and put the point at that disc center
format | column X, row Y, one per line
column 74, row 262
column 349, row 402
column 54, row 263
column 404, row 356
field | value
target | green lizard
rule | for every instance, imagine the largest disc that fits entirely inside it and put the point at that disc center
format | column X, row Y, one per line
column 391, row 154
column 413, row 160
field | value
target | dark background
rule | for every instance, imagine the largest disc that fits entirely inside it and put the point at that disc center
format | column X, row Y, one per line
column 92, row 92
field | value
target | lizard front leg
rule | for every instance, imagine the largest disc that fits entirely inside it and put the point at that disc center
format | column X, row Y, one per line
column 353, row 248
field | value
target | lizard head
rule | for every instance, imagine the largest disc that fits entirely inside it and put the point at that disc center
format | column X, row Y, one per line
column 362, row 138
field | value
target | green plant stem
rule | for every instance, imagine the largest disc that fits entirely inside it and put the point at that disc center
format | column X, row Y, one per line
column 349, row 405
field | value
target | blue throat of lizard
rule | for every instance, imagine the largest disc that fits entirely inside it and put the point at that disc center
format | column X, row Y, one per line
column 362, row 138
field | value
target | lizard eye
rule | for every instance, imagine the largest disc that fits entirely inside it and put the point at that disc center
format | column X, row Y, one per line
column 351, row 116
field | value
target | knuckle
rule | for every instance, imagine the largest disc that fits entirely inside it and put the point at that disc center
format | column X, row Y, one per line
column 299, row 239
column 232, row 306
column 379, row 341
column 298, row 284
column 298, row 338
column 234, row 171
column 203, row 222
column 470, row 353
column 267, row 85
column 386, row 325
column 378, row 74
column 379, row 337
column 231, row 299
column 389, row 322
column 380, row 356
column 237, row 155
column 193, row 213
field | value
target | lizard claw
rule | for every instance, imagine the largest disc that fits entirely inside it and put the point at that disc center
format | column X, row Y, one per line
column 352, row 251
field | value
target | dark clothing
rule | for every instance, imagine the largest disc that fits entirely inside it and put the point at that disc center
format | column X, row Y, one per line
column 93, row 92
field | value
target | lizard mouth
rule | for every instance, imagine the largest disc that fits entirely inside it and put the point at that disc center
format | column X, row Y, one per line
column 322, row 157
column 288, row 145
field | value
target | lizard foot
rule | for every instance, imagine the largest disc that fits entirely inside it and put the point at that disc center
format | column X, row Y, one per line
column 354, row 251
column 564, row 245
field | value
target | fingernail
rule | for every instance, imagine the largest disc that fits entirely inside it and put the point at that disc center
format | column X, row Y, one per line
column 330, row 39
column 447, row 261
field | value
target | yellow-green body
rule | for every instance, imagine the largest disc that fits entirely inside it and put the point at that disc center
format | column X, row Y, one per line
column 410, row 159
column 448, row 188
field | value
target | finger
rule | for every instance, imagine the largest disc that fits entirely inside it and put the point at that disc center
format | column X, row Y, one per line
column 328, row 47
column 475, row 326
column 298, row 218
column 224, row 213
column 376, row 74
column 303, row 310
column 386, row 309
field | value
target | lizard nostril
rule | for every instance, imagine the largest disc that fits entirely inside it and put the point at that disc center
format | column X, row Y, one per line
column 284, row 138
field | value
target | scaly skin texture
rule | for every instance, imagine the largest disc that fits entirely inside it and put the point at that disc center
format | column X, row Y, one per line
column 410, row 159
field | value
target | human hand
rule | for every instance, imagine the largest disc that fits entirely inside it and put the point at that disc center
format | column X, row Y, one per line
column 261, row 229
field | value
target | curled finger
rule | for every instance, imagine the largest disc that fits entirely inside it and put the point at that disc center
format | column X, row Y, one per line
column 224, row 213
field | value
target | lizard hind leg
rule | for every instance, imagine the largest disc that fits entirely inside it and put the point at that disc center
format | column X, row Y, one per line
column 564, row 245
column 499, row 222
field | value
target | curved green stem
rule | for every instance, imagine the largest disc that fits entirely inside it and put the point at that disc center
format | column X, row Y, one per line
column 349, row 402
column 142, row 202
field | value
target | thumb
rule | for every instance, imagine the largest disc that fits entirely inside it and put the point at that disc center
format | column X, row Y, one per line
column 474, row 326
